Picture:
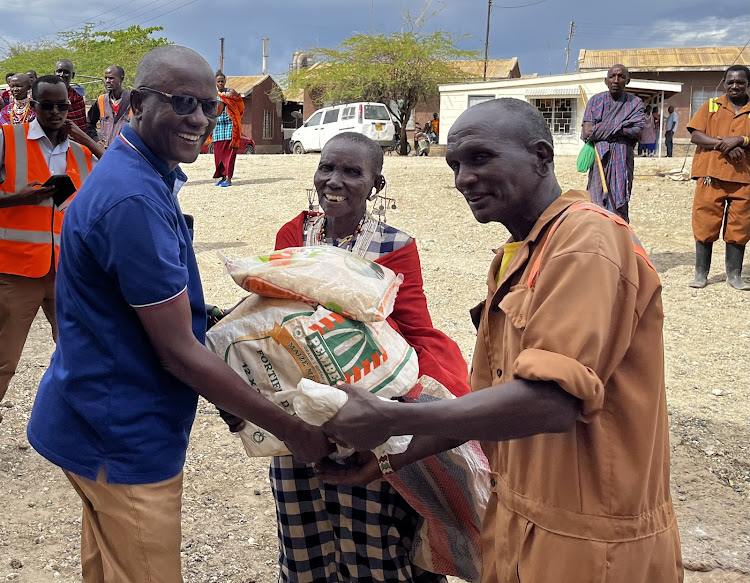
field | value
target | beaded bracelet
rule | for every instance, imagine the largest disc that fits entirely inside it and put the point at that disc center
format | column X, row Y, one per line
column 385, row 464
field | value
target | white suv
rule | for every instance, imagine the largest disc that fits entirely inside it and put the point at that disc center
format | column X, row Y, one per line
column 369, row 119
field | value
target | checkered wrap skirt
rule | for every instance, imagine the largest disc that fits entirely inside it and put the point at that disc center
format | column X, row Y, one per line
column 339, row 534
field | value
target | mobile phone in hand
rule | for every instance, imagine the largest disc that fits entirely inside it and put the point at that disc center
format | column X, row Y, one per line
column 64, row 188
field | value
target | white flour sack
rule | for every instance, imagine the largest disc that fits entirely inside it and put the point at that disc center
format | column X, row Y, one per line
column 338, row 280
column 274, row 343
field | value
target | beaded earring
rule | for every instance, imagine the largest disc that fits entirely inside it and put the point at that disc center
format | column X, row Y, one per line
column 382, row 203
column 312, row 206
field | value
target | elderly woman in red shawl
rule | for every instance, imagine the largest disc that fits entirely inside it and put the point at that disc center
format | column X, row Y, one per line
column 361, row 533
column 226, row 135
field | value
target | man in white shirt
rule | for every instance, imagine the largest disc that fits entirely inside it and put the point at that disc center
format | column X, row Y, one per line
column 30, row 222
column 670, row 129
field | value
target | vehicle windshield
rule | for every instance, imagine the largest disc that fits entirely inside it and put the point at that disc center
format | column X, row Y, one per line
column 376, row 112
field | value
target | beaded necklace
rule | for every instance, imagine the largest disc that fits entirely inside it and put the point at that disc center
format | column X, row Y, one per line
column 349, row 239
column 20, row 113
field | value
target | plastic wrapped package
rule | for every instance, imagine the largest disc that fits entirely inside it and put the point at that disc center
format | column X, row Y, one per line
column 274, row 343
column 340, row 281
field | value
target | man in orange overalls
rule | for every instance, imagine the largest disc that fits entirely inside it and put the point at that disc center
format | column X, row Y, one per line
column 721, row 167
column 568, row 376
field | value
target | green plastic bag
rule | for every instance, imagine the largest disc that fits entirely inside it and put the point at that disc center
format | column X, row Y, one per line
column 586, row 157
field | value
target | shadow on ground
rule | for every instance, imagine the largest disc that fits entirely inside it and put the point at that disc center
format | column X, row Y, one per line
column 668, row 260
column 237, row 181
column 217, row 246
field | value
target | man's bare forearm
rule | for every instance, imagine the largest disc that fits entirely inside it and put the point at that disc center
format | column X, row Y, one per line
column 512, row 410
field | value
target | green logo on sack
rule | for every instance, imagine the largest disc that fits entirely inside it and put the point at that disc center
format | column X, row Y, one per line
column 342, row 349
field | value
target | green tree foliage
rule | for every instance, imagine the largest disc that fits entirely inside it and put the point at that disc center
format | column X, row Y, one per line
column 397, row 69
column 91, row 51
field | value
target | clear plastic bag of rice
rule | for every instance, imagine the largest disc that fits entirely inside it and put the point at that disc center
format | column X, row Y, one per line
column 340, row 281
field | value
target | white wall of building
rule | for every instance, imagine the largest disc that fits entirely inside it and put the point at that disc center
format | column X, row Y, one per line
column 455, row 99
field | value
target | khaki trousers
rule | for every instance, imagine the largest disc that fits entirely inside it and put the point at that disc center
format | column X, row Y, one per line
column 130, row 533
column 20, row 300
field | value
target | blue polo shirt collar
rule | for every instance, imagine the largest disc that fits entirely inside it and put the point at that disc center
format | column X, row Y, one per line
column 172, row 178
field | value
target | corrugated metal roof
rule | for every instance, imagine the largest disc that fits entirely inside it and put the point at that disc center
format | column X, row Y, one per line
column 245, row 83
column 552, row 92
column 496, row 68
column 298, row 96
column 666, row 59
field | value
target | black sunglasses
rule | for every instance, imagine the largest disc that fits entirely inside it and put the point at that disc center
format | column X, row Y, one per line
column 187, row 104
column 46, row 106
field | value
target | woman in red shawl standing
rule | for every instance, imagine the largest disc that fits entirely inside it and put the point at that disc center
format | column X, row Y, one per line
column 361, row 533
column 226, row 136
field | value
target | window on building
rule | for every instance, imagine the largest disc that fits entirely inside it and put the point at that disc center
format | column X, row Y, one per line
column 559, row 114
column 477, row 99
column 268, row 125
column 700, row 96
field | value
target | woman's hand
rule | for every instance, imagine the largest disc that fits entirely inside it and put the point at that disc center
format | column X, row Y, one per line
column 309, row 444
column 359, row 469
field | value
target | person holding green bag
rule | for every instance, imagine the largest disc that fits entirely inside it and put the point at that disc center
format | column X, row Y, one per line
column 612, row 123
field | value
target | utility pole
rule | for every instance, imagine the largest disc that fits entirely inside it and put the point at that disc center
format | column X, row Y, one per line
column 372, row 17
column 221, row 55
column 487, row 40
column 571, row 34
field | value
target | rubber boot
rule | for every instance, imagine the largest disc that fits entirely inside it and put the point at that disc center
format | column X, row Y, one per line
column 702, row 264
column 734, row 256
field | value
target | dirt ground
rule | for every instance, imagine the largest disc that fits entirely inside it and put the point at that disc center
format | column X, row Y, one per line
column 228, row 516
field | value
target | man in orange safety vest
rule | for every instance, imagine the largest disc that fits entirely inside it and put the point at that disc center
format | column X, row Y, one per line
column 30, row 222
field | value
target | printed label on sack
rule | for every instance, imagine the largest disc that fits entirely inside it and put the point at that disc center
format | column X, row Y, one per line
column 333, row 349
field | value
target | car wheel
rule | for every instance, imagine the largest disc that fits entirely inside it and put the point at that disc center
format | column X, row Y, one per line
column 249, row 149
column 297, row 148
column 211, row 148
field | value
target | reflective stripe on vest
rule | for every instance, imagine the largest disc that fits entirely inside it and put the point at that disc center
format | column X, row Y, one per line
column 22, row 236
column 713, row 105
column 30, row 234
column 100, row 100
column 586, row 206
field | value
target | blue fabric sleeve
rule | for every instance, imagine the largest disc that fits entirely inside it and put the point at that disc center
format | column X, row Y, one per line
column 137, row 243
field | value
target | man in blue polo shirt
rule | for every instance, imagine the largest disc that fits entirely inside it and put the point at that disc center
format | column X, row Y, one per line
column 115, row 408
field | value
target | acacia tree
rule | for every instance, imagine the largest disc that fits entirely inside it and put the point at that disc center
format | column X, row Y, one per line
column 397, row 69
column 90, row 50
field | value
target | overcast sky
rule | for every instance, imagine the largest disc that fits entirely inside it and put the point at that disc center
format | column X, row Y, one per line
column 534, row 31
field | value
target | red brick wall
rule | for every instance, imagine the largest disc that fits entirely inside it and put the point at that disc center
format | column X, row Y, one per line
column 252, row 121
column 691, row 81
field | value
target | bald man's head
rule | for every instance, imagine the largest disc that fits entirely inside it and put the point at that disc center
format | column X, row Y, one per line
column 174, row 128
column 622, row 68
column 171, row 58
column 502, row 156
column 617, row 78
